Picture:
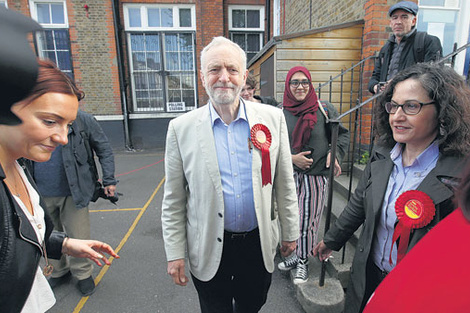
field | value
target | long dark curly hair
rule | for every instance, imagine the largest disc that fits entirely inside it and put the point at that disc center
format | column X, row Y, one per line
column 452, row 100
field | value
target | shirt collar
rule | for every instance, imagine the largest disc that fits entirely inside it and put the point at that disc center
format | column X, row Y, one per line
column 215, row 116
column 422, row 161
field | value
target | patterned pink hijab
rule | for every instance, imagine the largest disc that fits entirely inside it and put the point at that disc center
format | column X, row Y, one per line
column 306, row 110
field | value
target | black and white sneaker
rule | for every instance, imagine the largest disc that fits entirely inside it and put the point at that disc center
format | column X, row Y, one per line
column 289, row 263
column 301, row 274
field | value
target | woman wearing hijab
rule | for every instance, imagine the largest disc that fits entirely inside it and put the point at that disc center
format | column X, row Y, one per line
column 309, row 134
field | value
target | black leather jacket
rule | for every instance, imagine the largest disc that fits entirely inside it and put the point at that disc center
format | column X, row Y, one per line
column 20, row 251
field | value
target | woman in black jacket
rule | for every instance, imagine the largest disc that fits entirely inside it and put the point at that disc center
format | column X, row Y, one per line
column 422, row 120
column 26, row 230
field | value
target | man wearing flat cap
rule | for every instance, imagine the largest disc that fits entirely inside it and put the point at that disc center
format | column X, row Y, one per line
column 405, row 47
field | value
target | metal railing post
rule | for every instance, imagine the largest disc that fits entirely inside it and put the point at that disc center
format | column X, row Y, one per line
column 334, row 140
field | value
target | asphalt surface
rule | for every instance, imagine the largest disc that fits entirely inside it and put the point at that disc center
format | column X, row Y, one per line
column 138, row 282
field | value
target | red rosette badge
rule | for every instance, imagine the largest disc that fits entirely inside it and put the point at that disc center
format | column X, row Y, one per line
column 261, row 139
column 414, row 209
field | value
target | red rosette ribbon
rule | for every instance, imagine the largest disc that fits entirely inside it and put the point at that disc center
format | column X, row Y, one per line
column 414, row 209
column 261, row 139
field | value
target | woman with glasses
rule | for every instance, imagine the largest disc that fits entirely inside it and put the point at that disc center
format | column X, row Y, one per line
column 248, row 92
column 422, row 122
column 309, row 135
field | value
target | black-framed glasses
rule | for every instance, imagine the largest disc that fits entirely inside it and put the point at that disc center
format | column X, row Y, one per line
column 296, row 83
column 410, row 107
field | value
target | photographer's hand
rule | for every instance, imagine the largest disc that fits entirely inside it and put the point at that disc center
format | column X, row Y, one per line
column 110, row 190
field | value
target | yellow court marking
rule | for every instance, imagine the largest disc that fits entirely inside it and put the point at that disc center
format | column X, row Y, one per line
column 115, row 210
column 105, row 268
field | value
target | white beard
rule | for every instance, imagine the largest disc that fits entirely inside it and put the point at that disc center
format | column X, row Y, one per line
column 220, row 97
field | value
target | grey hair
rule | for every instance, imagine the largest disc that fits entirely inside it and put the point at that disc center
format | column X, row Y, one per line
column 218, row 41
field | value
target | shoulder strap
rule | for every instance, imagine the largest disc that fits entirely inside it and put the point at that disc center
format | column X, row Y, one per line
column 323, row 108
column 418, row 46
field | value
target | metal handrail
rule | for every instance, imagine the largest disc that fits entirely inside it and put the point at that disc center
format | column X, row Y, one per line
column 346, row 71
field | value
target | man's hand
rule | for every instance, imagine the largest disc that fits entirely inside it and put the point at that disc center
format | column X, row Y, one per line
column 110, row 190
column 337, row 166
column 322, row 251
column 176, row 271
column 287, row 247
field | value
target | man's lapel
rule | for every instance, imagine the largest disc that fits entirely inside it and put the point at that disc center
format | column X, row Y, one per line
column 206, row 141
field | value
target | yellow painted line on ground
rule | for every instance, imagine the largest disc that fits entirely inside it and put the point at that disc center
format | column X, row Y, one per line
column 116, row 210
column 105, row 268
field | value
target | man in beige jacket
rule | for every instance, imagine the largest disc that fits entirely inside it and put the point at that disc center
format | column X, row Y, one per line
column 227, row 164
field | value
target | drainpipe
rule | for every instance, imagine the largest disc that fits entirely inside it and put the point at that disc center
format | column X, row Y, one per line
column 120, row 61
column 268, row 15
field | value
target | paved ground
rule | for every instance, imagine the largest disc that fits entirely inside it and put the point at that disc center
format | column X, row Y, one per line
column 138, row 281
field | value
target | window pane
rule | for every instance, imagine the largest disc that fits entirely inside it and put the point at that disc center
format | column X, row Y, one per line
column 45, row 40
column 152, row 42
column 153, row 61
column 187, row 61
column 167, row 17
column 239, row 39
column 174, row 95
column 64, row 60
column 238, row 18
column 3, row 4
column 173, row 82
column 171, row 42
column 439, row 3
column 186, row 42
column 134, row 17
column 138, row 60
column 172, row 61
column 51, row 56
column 185, row 17
column 57, row 13
column 188, row 98
column 252, row 18
column 154, row 17
column 137, row 42
column 141, row 80
column 253, row 42
column 62, row 39
column 44, row 16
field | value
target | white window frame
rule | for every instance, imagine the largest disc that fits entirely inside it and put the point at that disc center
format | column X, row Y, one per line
column 144, row 16
column 34, row 13
column 145, row 28
column 247, row 30
column 461, row 26
column 259, row 8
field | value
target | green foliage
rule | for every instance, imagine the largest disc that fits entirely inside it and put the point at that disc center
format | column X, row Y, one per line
column 364, row 158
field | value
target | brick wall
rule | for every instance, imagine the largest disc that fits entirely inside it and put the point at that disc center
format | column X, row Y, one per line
column 94, row 55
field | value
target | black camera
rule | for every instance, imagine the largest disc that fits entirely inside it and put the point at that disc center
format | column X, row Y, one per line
column 113, row 199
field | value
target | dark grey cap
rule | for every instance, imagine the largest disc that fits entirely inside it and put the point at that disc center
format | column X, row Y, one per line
column 407, row 6
column 18, row 64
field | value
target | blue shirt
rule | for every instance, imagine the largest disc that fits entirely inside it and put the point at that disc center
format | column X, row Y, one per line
column 50, row 176
column 401, row 179
column 234, row 159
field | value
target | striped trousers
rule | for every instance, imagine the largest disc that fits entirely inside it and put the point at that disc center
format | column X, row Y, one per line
column 311, row 195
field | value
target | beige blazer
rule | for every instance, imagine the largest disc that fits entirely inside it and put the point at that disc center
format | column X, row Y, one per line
column 193, row 205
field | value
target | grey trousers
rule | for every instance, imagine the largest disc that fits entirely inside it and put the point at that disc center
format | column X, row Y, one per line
column 76, row 223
